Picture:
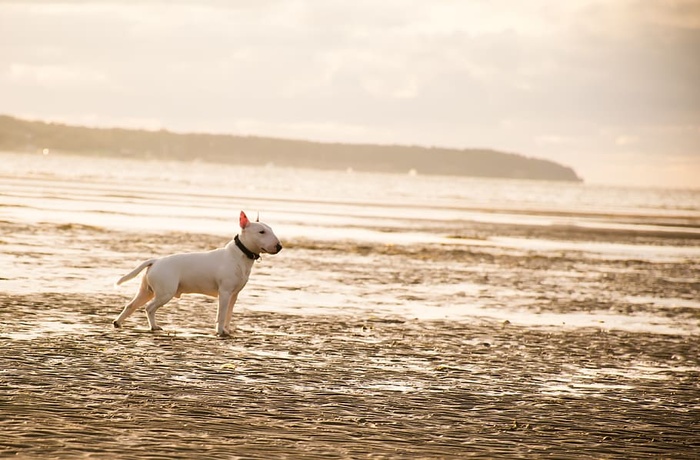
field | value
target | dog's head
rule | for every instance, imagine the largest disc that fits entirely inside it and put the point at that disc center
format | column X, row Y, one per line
column 258, row 237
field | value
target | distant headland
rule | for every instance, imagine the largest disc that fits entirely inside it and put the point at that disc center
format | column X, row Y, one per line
column 32, row 136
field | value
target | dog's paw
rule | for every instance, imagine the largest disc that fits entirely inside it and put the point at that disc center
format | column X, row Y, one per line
column 116, row 324
column 156, row 329
column 223, row 334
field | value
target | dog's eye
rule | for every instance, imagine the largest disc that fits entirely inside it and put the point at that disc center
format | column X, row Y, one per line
column 262, row 232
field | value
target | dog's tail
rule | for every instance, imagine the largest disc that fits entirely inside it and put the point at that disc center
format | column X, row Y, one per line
column 135, row 271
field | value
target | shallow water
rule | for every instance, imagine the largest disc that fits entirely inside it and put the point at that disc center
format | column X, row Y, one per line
column 420, row 316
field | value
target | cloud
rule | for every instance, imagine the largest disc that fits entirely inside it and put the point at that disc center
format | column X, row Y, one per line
column 674, row 14
column 626, row 140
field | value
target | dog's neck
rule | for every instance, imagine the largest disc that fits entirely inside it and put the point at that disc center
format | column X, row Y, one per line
column 248, row 253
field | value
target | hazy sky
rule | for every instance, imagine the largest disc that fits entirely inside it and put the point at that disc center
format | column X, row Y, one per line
column 610, row 87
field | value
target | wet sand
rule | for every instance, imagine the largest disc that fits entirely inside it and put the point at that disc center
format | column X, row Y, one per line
column 303, row 378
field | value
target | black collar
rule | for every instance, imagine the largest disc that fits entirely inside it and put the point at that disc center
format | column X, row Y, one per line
column 250, row 254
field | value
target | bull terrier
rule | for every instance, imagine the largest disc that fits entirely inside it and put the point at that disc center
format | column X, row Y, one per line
column 219, row 273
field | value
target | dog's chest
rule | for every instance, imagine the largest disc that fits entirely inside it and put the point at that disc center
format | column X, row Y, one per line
column 238, row 276
column 233, row 275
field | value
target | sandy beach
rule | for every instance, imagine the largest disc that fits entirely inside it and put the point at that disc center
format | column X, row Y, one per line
column 357, row 383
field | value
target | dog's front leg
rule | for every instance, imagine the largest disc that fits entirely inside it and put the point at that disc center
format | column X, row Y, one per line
column 229, row 312
column 225, row 299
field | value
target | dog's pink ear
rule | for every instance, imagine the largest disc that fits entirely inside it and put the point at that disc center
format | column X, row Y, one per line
column 244, row 220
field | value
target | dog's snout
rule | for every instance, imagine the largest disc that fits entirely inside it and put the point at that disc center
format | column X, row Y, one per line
column 278, row 248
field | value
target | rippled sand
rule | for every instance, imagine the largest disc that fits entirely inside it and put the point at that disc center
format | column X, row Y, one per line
column 339, row 386
column 346, row 349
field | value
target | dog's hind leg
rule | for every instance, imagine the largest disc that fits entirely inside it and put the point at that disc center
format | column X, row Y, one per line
column 144, row 295
column 151, row 307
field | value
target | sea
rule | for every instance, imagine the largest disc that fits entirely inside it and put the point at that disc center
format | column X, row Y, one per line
column 313, row 209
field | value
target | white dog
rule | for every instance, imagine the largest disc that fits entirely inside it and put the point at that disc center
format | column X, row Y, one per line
column 219, row 273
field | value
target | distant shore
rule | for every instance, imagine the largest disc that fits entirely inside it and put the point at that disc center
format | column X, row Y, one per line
column 36, row 136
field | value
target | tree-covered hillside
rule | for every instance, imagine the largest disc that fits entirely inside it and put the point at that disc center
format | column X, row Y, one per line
column 31, row 136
